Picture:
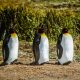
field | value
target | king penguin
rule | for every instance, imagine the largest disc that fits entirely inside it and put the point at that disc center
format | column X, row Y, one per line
column 41, row 47
column 10, row 49
column 65, row 47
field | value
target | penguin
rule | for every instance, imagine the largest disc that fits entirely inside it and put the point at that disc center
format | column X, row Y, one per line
column 65, row 47
column 10, row 47
column 36, row 51
column 41, row 47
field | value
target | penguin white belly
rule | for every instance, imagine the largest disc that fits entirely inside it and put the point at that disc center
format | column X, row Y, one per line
column 13, row 49
column 44, row 50
column 67, row 45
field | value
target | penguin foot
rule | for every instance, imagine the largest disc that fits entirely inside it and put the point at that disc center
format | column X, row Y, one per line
column 14, row 62
column 34, row 63
column 67, row 63
column 3, row 64
column 44, row 63
column 58, row 63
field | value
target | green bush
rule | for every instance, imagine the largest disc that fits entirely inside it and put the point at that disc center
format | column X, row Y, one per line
column 27, row 20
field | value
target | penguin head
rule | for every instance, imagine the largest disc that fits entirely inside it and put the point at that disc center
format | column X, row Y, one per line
column 11, row 30
column 64, row 30
column 41, row 30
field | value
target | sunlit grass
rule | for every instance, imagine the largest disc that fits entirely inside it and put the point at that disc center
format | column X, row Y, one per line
column 32, row 3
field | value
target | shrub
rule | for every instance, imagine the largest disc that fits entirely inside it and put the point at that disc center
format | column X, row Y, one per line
column 26, row 21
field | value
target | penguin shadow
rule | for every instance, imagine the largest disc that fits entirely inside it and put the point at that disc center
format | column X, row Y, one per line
column 53, row 63
column 15, row 62
column 34, row 64
column 45, row 63
column 65, row 64
column 3, row 64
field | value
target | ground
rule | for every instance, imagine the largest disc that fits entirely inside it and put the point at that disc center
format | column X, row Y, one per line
column 50, row 71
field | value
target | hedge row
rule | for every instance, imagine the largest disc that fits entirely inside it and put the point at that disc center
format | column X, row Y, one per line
column 27, row 20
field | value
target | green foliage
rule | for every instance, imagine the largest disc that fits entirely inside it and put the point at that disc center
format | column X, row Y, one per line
column 27, row 20
column 55, row 0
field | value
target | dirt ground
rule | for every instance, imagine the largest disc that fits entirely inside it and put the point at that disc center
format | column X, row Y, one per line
column 50, row 71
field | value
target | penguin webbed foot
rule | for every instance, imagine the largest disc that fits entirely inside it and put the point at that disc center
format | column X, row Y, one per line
column 58, row 63
column 44, row 63
column 67, row 63
column 15, row 62
column 3, row 64
column 34, row 63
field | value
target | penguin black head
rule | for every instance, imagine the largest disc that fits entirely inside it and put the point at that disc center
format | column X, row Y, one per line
column 42, row 29
column 64, row 30
column 11, row 30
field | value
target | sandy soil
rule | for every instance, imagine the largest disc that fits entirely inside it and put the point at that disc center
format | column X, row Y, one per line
column 50, row 71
